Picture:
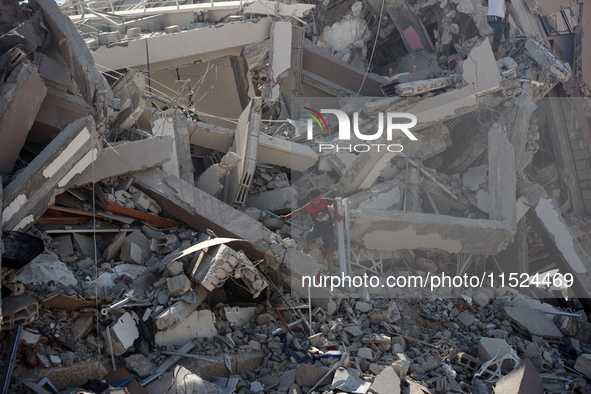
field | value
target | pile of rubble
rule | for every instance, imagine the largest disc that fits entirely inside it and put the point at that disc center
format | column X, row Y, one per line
column 148, row 149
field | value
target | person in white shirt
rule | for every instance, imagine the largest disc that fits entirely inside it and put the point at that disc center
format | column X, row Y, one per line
column 498, row 18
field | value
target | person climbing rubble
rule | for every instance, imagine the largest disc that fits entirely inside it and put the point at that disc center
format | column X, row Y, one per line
column 498, row 18
column 318, row 210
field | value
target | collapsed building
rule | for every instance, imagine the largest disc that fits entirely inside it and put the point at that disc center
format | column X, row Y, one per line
column 148, row 148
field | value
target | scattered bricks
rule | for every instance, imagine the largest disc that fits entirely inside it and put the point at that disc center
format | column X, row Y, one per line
column 178, row 285
column 140, row 365
column 365, row 353
column 309, row 376
column 583, row 365
column 131, row 253
column 524, row 379
column 123, row 333
column 387, row 382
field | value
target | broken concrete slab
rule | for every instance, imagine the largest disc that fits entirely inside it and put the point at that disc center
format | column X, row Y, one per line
column 140, row 365
column 84, row 244
column 246, row 141
column 114, row 247
column 200, row 324
column 310, row 375
column 20, row 101
column 391, row 230
column 57, row 111
column 123, row 333
column 178, row 285
column 209, row 180
column 488, row 348
column 239, row 316
column 363, row 172
column 126, row 158
column 46, row 267
column 474, row 177
column 174, row 315
column 28, row 196
column 556, row 236
column 131, row 253
column 583, row 364
column 273, row 200
column 524, row 379
column 534, row 322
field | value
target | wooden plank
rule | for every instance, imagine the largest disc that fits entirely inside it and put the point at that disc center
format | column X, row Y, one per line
column 101, row 215
column 46, row 221
column 141, row 215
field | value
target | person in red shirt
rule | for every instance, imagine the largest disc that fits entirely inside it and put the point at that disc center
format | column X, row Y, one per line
column 318, row 210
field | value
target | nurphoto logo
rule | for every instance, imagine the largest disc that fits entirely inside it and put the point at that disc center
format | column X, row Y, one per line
column 392, row 125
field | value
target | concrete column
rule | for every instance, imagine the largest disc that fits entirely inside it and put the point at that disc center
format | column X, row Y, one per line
column 501, row 177
column 180, row 163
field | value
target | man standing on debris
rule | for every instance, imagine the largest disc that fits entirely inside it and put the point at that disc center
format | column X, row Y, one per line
column 317, row 208
column 498, row 18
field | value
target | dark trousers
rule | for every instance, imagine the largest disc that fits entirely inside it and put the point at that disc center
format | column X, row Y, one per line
column 499, row 28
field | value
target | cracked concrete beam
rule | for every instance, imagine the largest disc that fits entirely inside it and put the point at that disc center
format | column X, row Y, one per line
column 395, row 230
column 272, row 150
column 202, row 211
column 126, row 158
column 548, row 61
column 20, row 100
column 27, row 197
column 562, row 245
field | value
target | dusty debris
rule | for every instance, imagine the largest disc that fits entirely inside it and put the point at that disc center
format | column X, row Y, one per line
column 150, row 152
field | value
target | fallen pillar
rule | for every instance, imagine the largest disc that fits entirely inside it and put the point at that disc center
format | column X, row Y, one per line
column 246, row 142
column 272, row 150
column 20, row 100
column 180, row 163
column 560, row 243
column 32, row 192
column 501, row 177
column 126, row 158
column 392, row 230
column 279, row 54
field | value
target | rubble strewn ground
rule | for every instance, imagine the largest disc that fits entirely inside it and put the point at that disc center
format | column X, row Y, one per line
column 150, row 148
